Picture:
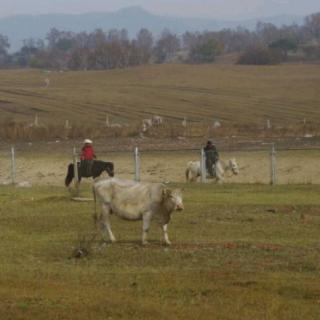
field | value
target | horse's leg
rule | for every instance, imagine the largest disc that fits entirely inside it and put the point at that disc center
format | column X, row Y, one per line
column 70, row 175
column 79, row 179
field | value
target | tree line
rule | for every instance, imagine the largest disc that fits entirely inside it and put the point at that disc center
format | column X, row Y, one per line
column 98, row 50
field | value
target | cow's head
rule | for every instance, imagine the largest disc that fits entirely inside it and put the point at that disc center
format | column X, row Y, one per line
column 173, row 199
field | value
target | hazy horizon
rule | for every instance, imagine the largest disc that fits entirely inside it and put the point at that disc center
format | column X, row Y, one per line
column 218, row 9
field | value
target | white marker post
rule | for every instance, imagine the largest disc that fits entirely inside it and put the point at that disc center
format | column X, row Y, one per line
column 67, row 125
column 107, row 121
column 136, row 164
column 273, row 180
column 13, row 166
column 268, row 124
column 203, row 166
column 75, row 170
column 184, row 122
column 36, row 121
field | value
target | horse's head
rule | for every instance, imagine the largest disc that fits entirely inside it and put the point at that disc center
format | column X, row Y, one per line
column 234, row 166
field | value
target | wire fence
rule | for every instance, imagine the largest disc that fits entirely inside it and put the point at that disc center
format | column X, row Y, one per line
column 266, row 165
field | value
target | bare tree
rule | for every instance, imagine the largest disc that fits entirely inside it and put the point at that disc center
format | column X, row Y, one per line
column 312, row 24
column 166, row 47
column 144, row 43
column 4, row 46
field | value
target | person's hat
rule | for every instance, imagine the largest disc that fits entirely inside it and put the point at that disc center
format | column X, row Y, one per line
column 87, row 141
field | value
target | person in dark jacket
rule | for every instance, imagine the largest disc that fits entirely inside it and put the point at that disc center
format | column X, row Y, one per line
column 212, row 156
column 87, row 156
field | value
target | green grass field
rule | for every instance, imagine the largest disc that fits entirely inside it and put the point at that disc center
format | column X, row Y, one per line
column 239, row 252
column 242, row 94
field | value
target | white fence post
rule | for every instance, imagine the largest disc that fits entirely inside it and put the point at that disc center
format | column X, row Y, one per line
column 107, row 121
column 67, row 125
column 203, row 167
column 36, row 120
column 273, row 165
column 136, row 164
column 268, row 124
column 13, row 166
column 75, row 170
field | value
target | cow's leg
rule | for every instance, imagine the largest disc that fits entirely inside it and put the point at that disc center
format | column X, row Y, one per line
column 145, row 227
column 104, row 222
column 165, row 234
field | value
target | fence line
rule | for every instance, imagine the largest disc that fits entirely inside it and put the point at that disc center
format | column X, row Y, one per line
column 270, row 174
column 221, row 149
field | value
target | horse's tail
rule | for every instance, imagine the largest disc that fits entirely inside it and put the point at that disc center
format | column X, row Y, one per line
column 70, row 175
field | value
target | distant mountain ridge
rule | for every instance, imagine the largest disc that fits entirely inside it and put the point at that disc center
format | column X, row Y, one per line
column 21, row 27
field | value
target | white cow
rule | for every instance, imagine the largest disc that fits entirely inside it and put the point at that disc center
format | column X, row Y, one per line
column 193, row 170
column 135, row 201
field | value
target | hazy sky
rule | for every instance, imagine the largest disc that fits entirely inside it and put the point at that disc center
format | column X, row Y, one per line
column 221, row 9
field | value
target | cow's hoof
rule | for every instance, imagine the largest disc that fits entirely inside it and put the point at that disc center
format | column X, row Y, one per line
column 145, row 243
column 167, row 243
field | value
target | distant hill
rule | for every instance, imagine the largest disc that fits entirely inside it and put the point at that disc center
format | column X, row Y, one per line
column 133, row 19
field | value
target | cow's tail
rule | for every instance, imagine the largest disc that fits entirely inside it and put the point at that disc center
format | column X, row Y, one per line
column 70, row 175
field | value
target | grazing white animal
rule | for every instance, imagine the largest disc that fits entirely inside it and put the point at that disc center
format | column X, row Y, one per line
column 216, row 124
column 157, row 120
column 46, row 82
column 132, row 200
column 193, row 171
column 146, row 124
column 144, row 128
column 184, row 122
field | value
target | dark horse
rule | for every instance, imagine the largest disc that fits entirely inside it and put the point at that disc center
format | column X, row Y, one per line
column 97, row 168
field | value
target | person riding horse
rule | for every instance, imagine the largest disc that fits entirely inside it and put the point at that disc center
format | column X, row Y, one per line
column 212, row 156
column 88, row 165
column 86, row 158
